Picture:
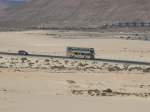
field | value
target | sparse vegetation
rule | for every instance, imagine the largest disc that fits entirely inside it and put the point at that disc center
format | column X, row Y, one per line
column 107, row 92
column 23, row 59
column 71, row 81
column 46, row 60
column 70, row 65
column 3, row 89
column 81, row 64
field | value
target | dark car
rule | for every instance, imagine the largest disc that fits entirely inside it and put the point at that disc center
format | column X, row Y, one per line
column 23, row 52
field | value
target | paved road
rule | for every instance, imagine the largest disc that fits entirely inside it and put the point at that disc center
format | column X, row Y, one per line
column 64, row 57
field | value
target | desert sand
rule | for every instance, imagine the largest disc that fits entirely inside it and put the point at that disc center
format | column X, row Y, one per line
column 55, row 42
column 41, row 84
column 40, row 91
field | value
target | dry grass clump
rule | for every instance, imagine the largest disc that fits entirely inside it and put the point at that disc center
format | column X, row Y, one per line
column 146, row 70
column 37, row 61
column 114, row 68
column 81, row 64
column 24, row 59
column 31, row 64
column 135, row 69
column 78, row 92
column 94, row 92
column 61, row 67
column 71, row 82
column 46, row 60
column 51, row 64
column 3, row 89
column 66, row 62
column 125, row 67
column 106, row 92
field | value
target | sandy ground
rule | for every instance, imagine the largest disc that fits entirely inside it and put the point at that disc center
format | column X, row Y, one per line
column 37, row 84
column 55, row 42
column 40, row 91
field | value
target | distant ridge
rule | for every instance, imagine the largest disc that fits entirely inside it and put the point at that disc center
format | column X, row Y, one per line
column 5, row 4
column 11, row 2
column 76, row 13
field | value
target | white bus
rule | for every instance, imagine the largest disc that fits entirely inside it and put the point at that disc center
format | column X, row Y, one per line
column 78, row 52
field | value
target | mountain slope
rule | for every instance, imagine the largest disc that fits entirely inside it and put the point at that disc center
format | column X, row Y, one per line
column 5, row 4
column 10, row 2
column 75, row 13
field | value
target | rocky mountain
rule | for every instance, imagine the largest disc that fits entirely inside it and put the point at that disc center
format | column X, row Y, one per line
column 10, row 2
column 76, row 13
column 5, row 4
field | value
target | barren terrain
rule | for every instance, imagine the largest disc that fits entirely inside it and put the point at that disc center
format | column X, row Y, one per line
column 38, row 91
column 50, row 84
column 55, row 43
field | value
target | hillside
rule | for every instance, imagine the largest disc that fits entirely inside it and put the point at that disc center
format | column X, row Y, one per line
column 76, row 13
column 5, row 4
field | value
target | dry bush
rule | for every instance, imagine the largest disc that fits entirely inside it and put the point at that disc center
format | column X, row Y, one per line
column 66, row 61
column 23, row 59
column 58, row 67
column 36, row 61
column 114, row 68
column 82, row 64
column 126, row 66
column 146, row 70
column 104, row 65
column 135, row 68
column 71, row 81
column 31, row 64
column 108, row 90
column 78, row 92
column 46, row 60
column 94, row 92
column 2, row 89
